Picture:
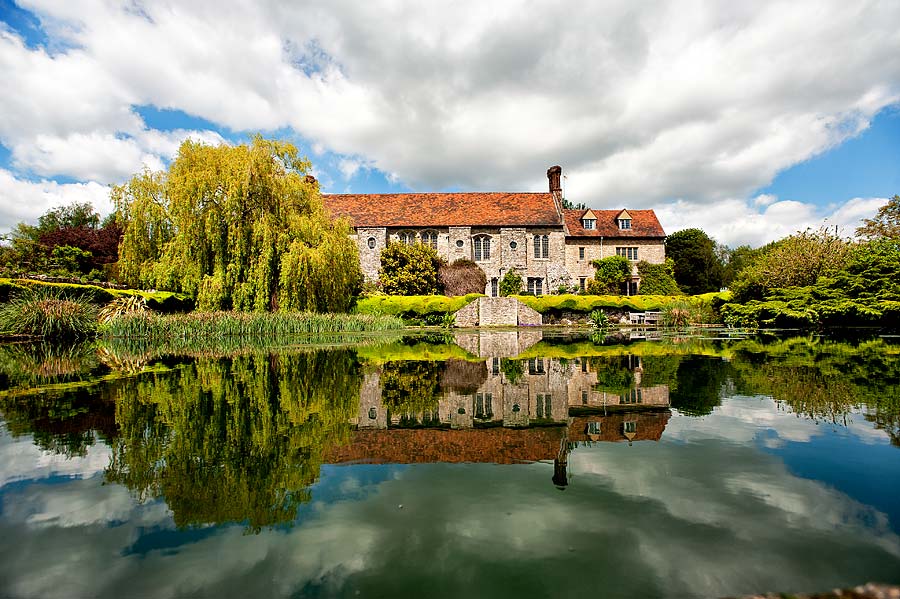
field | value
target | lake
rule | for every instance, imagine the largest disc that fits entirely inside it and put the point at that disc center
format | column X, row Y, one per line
column 518, row 463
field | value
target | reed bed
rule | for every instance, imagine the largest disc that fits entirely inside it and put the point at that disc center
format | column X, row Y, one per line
column 221, row 325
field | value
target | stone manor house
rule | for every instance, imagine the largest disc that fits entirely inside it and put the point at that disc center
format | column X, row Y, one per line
column 530, row 233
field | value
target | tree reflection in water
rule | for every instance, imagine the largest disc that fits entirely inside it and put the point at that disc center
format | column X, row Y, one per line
column 234, row 439
column 241, row 438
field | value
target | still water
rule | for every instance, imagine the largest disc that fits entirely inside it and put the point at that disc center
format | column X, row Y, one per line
column 516, row 463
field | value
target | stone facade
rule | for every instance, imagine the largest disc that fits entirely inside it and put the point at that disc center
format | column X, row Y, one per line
column 528, row 233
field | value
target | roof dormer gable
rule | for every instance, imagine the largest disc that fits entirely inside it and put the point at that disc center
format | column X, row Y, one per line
column 589, row 220
column 623, row 220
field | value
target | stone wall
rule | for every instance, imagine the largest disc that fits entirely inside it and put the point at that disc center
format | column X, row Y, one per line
column 370, row 258
column 497, row 311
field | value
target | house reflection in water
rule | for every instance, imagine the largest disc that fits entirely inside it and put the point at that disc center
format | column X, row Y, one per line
column 503, row 412
column 536, row 391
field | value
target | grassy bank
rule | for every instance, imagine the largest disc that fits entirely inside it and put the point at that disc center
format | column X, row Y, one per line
column 161, row 301
column 219, row 325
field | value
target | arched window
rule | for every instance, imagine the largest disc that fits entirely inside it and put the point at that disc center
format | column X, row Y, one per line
column 541, row 246
column 407, row 237
column 482, row 247
column 371, row 243
column 429, row 238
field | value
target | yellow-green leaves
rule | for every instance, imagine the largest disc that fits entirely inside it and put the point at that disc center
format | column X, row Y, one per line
column 238, row 227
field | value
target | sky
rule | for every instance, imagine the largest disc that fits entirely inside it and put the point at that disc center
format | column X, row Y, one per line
column 748, row 120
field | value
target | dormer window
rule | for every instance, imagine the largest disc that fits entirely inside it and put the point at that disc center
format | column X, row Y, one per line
column 589, row 220
column 624, row 224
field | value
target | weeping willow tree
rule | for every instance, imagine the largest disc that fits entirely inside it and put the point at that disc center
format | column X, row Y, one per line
column 237, row 227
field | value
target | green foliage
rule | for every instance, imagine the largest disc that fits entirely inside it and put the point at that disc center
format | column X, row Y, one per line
column 658, row 279
column 237, row 227
column 462, row 277
column 75, row 215
column 160, row 301
column 697, row 267
column 410, row 388
column 513, row 370
column 510, row 284
column 236, row 440
column 885, row 224
column 610, row 273
column 795, row 261
column 598, row 319
column 409, row 269
column 585, row 304
column 677, row 314
column 613, row 374
column 216, row 325
column 414, row 306
column 49, row 315
column 865, row 291
column 737, row 259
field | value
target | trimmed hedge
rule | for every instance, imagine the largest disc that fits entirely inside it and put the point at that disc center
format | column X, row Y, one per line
column 413, row 305
column 635, row 303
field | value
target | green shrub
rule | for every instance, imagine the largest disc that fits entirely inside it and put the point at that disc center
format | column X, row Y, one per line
column 409, row 269
column 599, row 319
column 611, row 272
column 658, row 279
column 510, row 284
column 48, row 314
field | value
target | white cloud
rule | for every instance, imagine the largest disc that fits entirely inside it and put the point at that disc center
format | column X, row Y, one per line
column 737, row 222
column 642, row 104
column 348, row 167
column 22, row 200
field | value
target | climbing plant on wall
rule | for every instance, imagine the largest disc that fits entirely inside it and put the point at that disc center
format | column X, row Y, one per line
column 238, row 227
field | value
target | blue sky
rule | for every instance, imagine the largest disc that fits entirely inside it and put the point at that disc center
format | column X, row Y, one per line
column 745, row 122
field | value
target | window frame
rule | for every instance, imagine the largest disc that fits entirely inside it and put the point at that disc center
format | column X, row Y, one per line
column 630, row 252
column 429, row 237
column 624, row 224
column 589, row 224
column 481, row 248
column 407, row 237
column 541, row 246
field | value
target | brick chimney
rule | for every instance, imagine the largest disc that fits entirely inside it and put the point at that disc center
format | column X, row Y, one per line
column 554, row 174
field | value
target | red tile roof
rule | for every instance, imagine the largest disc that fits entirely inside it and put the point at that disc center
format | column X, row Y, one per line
column 445, row 209
column 643, row 224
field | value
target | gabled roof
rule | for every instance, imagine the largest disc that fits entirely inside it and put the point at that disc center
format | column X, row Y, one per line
column 643, row 224
column 445, row 209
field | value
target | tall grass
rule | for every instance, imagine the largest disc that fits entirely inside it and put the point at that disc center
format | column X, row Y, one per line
column 48, row 314
column 219, row 325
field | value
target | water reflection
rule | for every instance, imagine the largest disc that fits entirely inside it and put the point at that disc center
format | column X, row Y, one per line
column 671, row 453
column 242, row 437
